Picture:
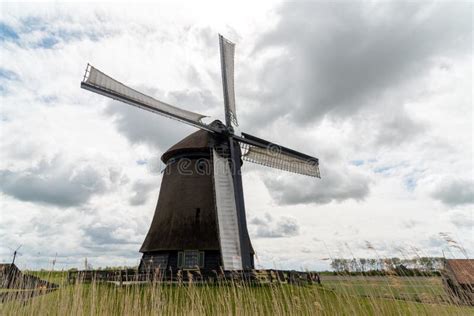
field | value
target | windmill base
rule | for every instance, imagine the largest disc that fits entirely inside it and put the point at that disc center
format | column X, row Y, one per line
column 133, row 276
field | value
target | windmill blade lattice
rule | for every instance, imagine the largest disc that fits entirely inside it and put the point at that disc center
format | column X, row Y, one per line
column 227, row 49
column 97, row 81
column 274, row 156
column 229, row 236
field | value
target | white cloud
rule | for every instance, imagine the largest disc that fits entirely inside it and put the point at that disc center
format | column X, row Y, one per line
column 54, row 183
column 141, row 192
column 455, row 191
column 267, row 227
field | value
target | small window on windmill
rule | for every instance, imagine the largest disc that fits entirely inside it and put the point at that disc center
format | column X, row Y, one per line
column 155, row 261
column 190, row 259
column 159, row 261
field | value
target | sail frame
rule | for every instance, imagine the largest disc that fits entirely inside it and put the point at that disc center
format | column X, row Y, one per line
column 227, row 217
column 227, row 53
column 269, row 154
column 98, row 82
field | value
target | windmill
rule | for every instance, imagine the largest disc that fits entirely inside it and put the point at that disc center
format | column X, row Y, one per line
column 200, row 216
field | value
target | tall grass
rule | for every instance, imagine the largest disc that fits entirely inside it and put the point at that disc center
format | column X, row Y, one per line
column 339, row 295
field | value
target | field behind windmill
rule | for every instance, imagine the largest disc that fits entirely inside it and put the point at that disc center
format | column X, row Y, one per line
column 348, row 295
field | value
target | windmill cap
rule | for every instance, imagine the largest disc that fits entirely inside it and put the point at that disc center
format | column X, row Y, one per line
column 197, row 142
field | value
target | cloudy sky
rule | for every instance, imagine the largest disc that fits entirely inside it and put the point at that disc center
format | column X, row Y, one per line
column 380, row 92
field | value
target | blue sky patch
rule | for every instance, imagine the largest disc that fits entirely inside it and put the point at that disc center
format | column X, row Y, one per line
column 141, row 162
column 7, row 33
column 384, row 169
column 48, row 42
column 48, row 98
column 50, row 36
column 410, row 183
column 32, row 23
column 357, row 162
column 6, row 74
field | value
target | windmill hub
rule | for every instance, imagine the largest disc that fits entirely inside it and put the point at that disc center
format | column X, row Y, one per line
column 224, row 130
column 200, row 220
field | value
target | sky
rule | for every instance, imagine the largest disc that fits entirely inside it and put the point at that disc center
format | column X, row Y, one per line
column 380, row 92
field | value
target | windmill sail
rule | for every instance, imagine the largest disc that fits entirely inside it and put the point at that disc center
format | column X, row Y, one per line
column 97, row 81
column 268, row 154
column 226, row 214
column 227, row 49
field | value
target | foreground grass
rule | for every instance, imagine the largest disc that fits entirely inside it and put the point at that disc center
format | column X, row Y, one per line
column 223, row 299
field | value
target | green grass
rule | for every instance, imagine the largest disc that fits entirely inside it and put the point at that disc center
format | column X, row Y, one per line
column 337, row 296
column 421, row 289
column 57, row 277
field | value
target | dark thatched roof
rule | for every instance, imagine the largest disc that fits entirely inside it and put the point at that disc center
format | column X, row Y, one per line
column 197, row 142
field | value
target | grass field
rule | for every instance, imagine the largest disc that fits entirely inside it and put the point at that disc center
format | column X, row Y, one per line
column 337, row 296
column 419, row 289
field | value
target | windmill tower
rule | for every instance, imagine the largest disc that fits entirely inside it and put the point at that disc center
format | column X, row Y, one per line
column 200, row 220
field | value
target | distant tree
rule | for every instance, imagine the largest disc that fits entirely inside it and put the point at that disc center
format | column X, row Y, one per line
column 395, row 261
column 336, row 264
column 380, row 264
column 341, row 265
column 426, row 263
column 346, row 265
column 373, row 264
column 438, row 263
column 415, row 266
column 353, row 266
